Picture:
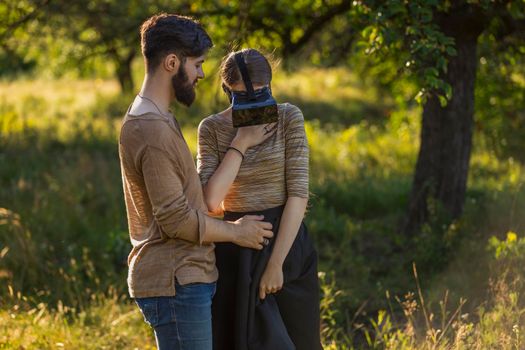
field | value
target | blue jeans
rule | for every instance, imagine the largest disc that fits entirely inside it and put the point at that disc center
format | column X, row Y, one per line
column 182, row 322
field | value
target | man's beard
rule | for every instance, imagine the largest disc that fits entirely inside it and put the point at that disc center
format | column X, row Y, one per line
column 184, row 90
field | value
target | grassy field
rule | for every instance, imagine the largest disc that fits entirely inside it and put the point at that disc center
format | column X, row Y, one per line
column 63, row 239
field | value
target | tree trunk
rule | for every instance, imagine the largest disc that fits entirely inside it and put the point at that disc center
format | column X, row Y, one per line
column 446, row 135
column 124, row 73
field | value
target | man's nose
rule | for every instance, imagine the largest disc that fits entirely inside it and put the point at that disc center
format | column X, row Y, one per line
column 200, row 73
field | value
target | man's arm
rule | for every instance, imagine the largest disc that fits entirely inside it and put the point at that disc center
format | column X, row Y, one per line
column 249, row 231
column 178, row 220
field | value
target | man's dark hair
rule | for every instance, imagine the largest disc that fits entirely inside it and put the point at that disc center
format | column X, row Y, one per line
column 164, row 34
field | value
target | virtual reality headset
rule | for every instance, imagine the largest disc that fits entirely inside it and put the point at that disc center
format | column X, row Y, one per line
column 252, row 107
column 247, row 111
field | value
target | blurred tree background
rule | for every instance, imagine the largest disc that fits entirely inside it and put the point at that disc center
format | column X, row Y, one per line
column 415, row 116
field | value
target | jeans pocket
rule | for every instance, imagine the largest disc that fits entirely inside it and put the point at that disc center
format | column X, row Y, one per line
column 149, row 309
column 214, row 290
column 199, row 294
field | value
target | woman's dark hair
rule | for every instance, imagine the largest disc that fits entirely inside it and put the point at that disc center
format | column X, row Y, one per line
column 258, row 67
column 164, row 34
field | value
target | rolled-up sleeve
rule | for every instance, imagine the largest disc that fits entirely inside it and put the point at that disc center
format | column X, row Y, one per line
column 207, row 153
column 170, row 206
column 297, row 154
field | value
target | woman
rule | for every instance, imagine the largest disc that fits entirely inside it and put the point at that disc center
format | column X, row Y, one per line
column 266, row 299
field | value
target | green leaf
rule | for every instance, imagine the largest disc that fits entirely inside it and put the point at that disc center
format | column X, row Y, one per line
column 441, row 64
column 443, row 101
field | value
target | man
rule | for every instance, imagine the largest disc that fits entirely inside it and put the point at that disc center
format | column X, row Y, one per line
column 172, row 269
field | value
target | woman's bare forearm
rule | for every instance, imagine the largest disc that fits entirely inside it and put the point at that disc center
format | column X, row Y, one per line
column 290, row 222
column 220, row 182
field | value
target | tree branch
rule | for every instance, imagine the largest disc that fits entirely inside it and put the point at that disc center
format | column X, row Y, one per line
column 24, row 19
column 319, row 22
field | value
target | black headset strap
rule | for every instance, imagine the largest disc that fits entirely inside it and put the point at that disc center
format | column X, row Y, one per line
column 245, row 76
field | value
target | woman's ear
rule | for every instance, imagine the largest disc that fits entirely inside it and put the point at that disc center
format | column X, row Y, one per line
column 172, row 63
column 227, row 91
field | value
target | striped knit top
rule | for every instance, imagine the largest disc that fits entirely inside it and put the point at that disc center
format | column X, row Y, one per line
column 270, row 172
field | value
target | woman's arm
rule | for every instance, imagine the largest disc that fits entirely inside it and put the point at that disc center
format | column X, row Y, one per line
column 296, row 171
column 272, row 278
column 220, row 181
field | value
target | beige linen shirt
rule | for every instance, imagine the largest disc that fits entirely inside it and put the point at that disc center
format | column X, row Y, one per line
column 165, row 208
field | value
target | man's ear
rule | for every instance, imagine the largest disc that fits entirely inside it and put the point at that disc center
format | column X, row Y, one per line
column 171, row 63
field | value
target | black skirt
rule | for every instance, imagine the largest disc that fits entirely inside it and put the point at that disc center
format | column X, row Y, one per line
column 288, row 319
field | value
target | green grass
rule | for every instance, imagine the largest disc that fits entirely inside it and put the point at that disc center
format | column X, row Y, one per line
column 109, row 322
column 63, row 239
